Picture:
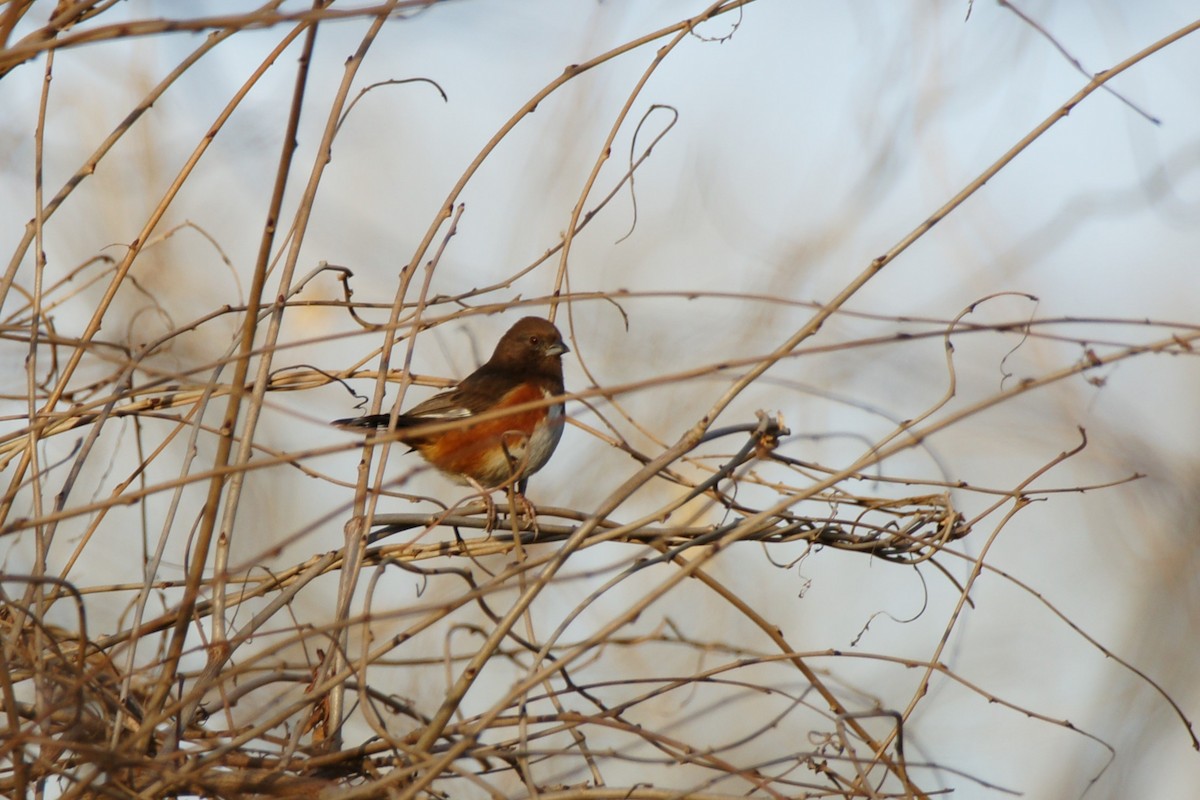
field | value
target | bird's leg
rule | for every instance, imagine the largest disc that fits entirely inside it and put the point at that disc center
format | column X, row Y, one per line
column 488, row 502
column 516, row 489
column 517, row 499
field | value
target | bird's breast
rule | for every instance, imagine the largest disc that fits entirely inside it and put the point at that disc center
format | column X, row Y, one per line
column 492, row 451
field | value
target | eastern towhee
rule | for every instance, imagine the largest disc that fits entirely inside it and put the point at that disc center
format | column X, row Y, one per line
column 525, row 367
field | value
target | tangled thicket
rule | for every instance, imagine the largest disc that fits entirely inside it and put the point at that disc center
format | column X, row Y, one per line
column 615, row 649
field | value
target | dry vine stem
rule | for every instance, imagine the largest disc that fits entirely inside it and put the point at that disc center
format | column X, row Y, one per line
column 610, row 648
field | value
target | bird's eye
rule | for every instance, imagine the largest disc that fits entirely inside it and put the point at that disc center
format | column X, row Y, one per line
column 533, row 340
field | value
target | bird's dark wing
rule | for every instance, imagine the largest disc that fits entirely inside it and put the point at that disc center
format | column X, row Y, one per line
column 475, row 395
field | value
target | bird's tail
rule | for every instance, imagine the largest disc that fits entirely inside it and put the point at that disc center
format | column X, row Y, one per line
column 370, row 422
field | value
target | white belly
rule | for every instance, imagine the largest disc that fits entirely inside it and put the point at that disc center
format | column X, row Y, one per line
column 524, row 454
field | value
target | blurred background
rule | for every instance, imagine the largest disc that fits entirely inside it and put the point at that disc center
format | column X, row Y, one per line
column 799, row 141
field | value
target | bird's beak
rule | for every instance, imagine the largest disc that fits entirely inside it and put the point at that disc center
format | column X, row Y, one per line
column 557, row 349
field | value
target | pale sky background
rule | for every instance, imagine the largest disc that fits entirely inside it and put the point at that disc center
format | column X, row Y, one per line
column 808, row 143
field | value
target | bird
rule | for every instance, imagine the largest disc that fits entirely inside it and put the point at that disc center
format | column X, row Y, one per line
column 504, row 450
